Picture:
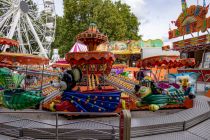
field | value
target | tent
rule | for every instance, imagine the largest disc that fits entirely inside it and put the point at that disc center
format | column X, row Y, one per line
column 79, row 47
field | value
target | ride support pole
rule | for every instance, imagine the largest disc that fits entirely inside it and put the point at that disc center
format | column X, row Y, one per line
column 125, row 125
column 26, row 77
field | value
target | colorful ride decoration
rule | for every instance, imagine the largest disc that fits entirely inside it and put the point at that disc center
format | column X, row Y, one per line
column 90, row 101
column 63, row 64
column 161, row 65
column 93, row 65
column 192, row 44
column 23, row 59
column 100, row 100
column 92, row 37
column 12, row 95
column 165, row 61
column 92, row 62
column 118, row 68
column 192, row 19
column 167, row 94
column 129, row 46
column 166, row 48
column 187, row 81
column 204, row 73
column 129, row 51
column 10, row 42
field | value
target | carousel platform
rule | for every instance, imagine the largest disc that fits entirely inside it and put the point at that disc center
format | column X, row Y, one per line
column 186, row 124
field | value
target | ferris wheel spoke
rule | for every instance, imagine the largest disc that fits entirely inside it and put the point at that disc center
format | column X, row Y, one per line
column 5, row 25
column 33, row 13
column 29, row 27
column 14, row 24
column 20, row 37
column 25, row 33
column 38, row 28
column 35, row 18
column 10, row 35
column 6, row 2
column 5, row 17
column 42, row 50
column 4, row 8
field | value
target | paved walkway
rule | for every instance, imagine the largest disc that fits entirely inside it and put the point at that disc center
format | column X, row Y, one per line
column 5, row 137
column 141, row 125
column 199, row 132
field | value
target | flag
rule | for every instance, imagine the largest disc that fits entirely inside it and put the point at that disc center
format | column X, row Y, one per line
column 184, row 6
column 204, row 3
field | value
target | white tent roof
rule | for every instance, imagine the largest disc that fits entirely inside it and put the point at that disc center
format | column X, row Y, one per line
column 79, row 47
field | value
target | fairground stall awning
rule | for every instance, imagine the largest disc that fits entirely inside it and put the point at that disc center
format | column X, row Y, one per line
column 193, row 44
column 165, row 61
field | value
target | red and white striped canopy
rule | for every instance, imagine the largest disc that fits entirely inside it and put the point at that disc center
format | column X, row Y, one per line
column 79, row 47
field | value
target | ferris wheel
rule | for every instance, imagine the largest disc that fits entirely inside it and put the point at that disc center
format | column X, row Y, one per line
column 31, row 22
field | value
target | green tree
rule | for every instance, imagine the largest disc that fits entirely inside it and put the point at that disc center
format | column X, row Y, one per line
column 113, row 19
column 130, row 20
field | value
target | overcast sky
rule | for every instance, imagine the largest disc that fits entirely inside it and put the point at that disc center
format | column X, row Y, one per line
column 154, row 15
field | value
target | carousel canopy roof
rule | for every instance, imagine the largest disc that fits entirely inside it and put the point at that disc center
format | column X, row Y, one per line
column 165, row 61
column 10, row 42
column 23, row 59
column 87, row 56
column 92, row 37
column 92, row 62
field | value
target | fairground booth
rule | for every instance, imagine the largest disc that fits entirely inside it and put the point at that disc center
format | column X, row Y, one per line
column 193, row 22
column 129, row 52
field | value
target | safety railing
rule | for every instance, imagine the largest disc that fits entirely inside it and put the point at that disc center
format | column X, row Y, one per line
column 53, row 125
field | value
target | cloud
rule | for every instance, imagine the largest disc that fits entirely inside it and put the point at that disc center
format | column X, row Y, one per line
column 143, row 20
column 154, row 15
column 136, row 6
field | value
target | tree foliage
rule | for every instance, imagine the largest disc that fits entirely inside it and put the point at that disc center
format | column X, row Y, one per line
column 114, row 19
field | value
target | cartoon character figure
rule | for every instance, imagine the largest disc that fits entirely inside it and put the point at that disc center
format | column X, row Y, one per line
column 157, row 95
column 12, row 95
column 154, row 101
column 186, row 81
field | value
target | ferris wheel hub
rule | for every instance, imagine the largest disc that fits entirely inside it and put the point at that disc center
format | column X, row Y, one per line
column 24, row 6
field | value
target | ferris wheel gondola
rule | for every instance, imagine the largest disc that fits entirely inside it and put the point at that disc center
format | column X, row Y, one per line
column 31, row 22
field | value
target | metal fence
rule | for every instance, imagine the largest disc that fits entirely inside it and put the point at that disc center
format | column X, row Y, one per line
column 53, row 125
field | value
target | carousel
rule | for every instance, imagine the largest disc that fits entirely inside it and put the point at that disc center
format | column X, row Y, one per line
column 88, row 67
column 165, row 64
column 15, row 93
column 12, row 45
column 174, row 91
